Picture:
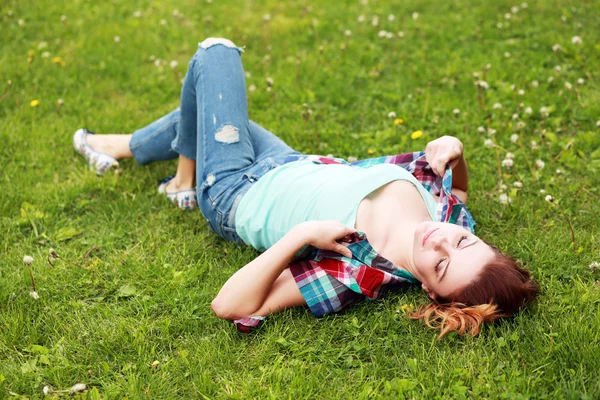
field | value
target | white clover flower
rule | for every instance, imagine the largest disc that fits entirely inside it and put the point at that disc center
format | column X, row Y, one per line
column 157, row 62
column 21, row 22
column 598, row 123
column 542, row 191
column 60, row 102
column 556, row 47
column 483, row 84
column 557, row 68
column 173, row 64
column 594, row 265
column 539, row 164
column 481, row 129
column 77, row 388
column 544, row 111
column 502, row 187
column 375, row 20
column 391, row 17
column 576, row 40
column 497, row 106
column 503, row 198
column 488, row 66
column 507, row 54
column 46, row 390
column 491, row 131
column 563, row 18
column 534, row 145
column 252, row 88
column 391, row 114
column 514, row 9
column 35, row 295
column 456, row 111
column 270, row 81
column 535, row 83
column 549, row 199
column 521, row 92
column 352, row 159
column 45, row 54
column 521, row 125
column 514, row 138
column 499, row 25
column 248, row 74
column 580, row 81
column 518, row 185
column 550, row 79
column 559, row 172
column 42, row 45
column 515, row 116
column 568, row 85
column 507, row 16
column 63, row 18
column 524, row 5
column 267, row 17
column 137, row 14
column 476, row 75
column 176, row 13
column 415, row 16
column 381, row 33
column 507, row 163
column 163, row 21
column 513, row 87
column 28, row 260
column 361, row 18
column 400, row 34
column 117, row 39
column 348, row 32
column 389, row 35
column 528, row 110
column 489, row 143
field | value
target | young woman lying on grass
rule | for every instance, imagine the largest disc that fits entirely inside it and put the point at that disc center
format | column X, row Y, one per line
column 331, row 232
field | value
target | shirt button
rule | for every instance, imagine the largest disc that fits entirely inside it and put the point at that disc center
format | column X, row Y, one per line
column 214, row 203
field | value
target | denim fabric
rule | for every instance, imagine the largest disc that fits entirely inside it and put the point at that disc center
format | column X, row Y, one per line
column 212, row 127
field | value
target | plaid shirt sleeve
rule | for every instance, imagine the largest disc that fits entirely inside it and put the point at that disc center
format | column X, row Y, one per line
column 330, row 282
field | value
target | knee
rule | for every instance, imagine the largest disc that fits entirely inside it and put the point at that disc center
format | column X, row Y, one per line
column 209, row 42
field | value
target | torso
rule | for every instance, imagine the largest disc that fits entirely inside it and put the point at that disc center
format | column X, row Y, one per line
column 380, row 212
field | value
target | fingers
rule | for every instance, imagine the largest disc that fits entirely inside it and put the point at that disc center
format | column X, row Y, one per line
column 343, row 250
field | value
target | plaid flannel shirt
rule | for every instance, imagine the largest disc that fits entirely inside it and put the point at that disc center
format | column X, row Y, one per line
column 329, row 282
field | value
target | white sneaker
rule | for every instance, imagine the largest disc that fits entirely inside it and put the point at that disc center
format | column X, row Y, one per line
column 185, row 199
column 98, row 162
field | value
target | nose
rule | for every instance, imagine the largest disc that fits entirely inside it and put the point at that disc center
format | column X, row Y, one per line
column 438, row 241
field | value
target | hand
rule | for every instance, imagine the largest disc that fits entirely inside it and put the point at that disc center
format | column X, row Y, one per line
column 443, row 151
column 324, row 235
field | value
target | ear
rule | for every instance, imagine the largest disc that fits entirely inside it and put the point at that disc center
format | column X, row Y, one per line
column 429, row 291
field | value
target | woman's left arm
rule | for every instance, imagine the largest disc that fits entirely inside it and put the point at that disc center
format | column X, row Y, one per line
column 448, row 150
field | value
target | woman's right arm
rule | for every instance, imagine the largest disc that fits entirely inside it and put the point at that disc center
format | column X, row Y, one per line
column 264, row 284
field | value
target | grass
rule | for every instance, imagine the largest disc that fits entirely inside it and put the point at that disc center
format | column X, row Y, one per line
column 143, row 293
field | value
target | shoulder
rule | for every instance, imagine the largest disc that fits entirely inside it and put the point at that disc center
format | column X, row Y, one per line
column 461, row 194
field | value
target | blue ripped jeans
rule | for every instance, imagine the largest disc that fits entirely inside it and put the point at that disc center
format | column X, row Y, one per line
column 212, row 127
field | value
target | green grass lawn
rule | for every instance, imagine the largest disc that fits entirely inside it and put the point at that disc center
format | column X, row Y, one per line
column 133, row 318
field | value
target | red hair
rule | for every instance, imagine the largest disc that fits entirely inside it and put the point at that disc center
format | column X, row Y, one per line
column 501, row 289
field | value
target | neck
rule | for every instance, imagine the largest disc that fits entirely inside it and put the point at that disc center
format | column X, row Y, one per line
column 398, row 244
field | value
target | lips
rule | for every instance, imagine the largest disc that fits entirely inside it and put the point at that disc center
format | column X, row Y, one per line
column 429, row 233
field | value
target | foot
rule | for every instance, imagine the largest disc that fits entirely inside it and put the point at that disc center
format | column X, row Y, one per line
column 182, row 195
column 99, row 162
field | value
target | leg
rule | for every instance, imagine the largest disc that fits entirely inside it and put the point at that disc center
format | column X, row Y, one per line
column 267, row 144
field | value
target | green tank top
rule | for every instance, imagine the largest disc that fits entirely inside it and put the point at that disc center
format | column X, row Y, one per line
column 303, row 191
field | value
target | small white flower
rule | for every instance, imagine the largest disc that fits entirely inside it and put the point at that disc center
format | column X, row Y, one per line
column 542, row 191
column 535, row 83
column 563, row 18
column 267, row 17
column 544, row 111
column 580, row 81
column 557, row 68
column 507, row 163
column 45, row 54
column 503, row 198
column 456, row 111
column 524, row 5
column 375, row 20
column 248, row 74
column 559, row 172
column 400, row 34
column 489, row 143
column 518, row 185
column 46, row 390
column 514, row 138
column 348, row 32
column 594, row 265
column 488, row 66
column 157, row 62
column 513, row 87
column 42, row 45
column 270, row 81
column 381, row 33
column 499, row 25
column 173, row 64
column 28, row 260
column 163, row 21
column 576, row 40
column 77, row 388
column 515, row 116
column 507, row 16
column 497, row 106
column 483, row 84
column 481, row 129
column 176, row 13
column 252, row 87
column 361, row 18
column 534, row 145
column 549, row 199
column 60, row 102
column 352, row 159
column 507, row 54
column 528, row 110
column 510, row 156
column 391, row 114
column 521, row 92
column 117, row 39
column 476, row 75
column 415, row 16
column 137, row 14
column 389, row 35
column 539, row 164
column 502, row 187
column 35, row 295
column 521, row 125
column 63, row 18
column 391, row 17
column 598, row 124
column 514, row 9
column 550, row 79
column 568, row 85
column 491, row 131
column 556, row 47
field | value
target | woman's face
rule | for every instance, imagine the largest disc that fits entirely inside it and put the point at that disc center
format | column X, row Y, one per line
column 447, row 257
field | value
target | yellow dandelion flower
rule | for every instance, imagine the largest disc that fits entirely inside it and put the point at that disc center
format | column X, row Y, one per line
column 58, row 60
column 29, row 60
column 416, row 134
column 370, row 151
column 34, row 103
column 398, row 121
column 31, row 52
